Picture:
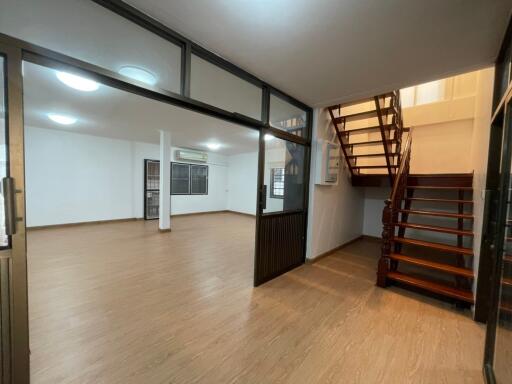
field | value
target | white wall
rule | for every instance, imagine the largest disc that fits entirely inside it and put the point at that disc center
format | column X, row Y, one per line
column 78, row 178
column 373, row 206
column 335, row 212
column 242, row 182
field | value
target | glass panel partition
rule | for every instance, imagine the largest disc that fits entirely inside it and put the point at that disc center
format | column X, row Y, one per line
column 287, row 117
column 285, row 160
column 215, row 86
column 92, row 33
column 4, row 239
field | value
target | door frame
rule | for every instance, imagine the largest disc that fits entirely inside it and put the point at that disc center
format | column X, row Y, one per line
column 16, row 255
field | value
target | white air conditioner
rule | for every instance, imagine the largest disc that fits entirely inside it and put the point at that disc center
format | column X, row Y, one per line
column 196, row 156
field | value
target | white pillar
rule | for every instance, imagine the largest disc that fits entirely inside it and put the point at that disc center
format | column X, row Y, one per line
column 164, row 221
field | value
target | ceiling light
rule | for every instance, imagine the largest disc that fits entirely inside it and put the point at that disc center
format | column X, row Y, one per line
column 62, row 119
column 269, row 137
column 213, row 146
column 138, row 74
column 77, row 82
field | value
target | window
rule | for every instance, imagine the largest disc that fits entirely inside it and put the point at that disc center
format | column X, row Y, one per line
column 426, row 93
column 277, row 183
column 189, row 179
column 199, row 179
column 180, row 179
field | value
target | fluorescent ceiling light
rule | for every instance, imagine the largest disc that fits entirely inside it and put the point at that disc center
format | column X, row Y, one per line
column 269, row 137
column 77, row 82
column 213, row 146
column 62, row 119
column 138, row 74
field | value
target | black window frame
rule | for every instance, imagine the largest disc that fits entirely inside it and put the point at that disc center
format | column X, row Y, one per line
column 273, row 188
column 190, row 166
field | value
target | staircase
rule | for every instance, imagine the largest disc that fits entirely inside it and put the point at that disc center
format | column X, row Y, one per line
column 370, row 134
column 428, row 232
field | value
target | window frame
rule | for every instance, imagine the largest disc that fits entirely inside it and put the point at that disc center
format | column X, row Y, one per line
column 189, row 166
column 273, row 175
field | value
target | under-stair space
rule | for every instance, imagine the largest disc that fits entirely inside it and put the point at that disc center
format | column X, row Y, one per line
column 428, row 235
column 370, row 133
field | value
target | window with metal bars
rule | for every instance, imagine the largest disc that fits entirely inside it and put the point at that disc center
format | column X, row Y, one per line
column 277, row 183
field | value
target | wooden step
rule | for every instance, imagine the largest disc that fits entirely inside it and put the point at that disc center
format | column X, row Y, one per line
column 375, row 128
column 374, row 166
column 433, row 265
column 363, row 115
column 437, row 246
column 460, row 294
column 434, row 228
column 424, row 199
column 372, row 155
column 374, row 142
column 435, row 187
column 506, row 281
column 436, row 214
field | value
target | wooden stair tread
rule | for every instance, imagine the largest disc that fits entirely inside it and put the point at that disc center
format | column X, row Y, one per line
column 460, row 294
column 438, row 246
column 506, row 281
column 434, row 228
column 372, row 155
column 373, row 166
column 359, row 101
column 433, row 265
column 433, row 200
column 434, row 187
column 363, row 115
column 436, row 213
column 375, row 128
column 373, row 142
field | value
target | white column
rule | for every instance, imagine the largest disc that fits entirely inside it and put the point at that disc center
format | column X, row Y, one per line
column 164, row 221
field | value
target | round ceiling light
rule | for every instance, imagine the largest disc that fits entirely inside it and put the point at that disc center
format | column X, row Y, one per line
column 213, row 146
column 269, row 137
column 138, row 74
column 62, row 119
column 77, row 82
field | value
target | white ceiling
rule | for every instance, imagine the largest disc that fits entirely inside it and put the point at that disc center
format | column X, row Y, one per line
column 112, row 113
column 326, row 51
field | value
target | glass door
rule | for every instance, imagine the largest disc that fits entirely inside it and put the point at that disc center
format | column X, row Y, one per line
column 14, row 347
column 498, row 352
column 282, row 216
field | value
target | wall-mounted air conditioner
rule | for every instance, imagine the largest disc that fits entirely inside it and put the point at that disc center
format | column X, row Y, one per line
column 187, row 155
column 327, row 163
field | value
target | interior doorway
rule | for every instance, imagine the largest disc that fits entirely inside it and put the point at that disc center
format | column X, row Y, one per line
column 104, row 284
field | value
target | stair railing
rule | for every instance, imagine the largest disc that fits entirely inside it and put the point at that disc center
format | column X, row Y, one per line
column 385, row 131
column 390, row 213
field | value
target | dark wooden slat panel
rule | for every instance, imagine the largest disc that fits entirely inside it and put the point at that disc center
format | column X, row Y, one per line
column 280, row 245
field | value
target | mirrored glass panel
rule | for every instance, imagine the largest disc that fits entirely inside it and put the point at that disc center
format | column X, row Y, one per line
column 4, row 239
column 92, row 33
column 215, row 86
column 284, row 175
column 287, row 117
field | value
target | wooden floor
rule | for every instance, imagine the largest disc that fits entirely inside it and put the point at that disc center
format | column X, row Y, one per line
column 122, row 303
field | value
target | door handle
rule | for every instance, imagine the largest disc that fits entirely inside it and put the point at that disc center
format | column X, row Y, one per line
column 9, row 192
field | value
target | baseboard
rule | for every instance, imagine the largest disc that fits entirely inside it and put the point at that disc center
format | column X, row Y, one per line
column 242, row 213
column 331, row 251
column 95, row 222
column 372, row 238
column 199, row 213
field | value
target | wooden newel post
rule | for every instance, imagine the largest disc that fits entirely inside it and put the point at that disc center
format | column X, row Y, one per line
column 387, row 237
